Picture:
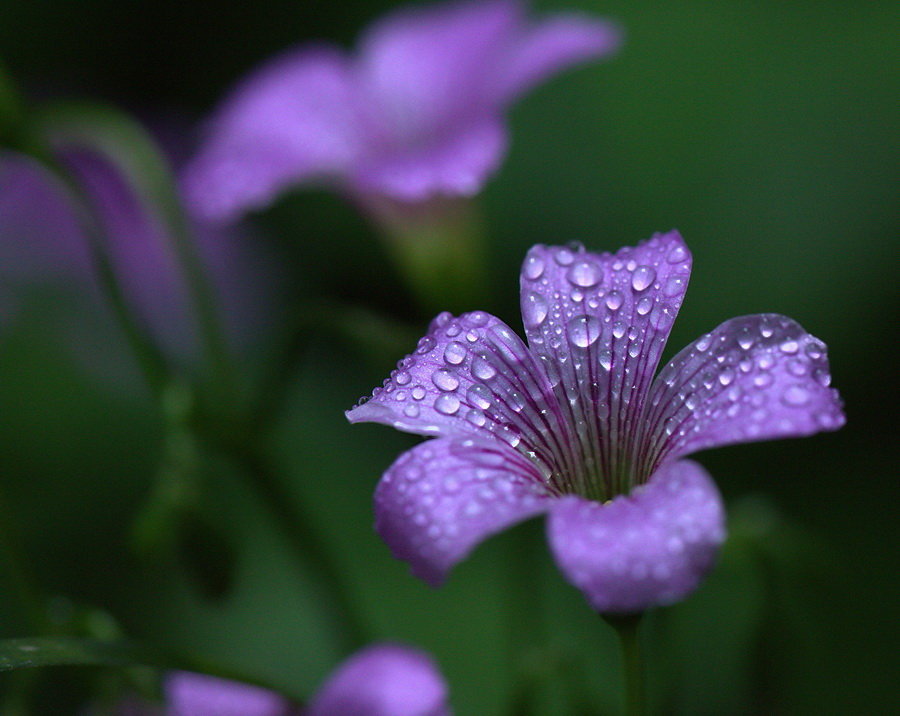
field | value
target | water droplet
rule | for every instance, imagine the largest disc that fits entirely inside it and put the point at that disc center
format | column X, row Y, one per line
column 476, row 417
column 418, row 392
column 605, row 359
column 447, row 403
column 642, row 277
column 563, row 257
column 762, row 380
column 765, row 361
column 516, row 401
column 584, row 330
column 766, row 331
column 704, row 343
column 425, row 345
column 614, row 300
column 745, row 341
column 533, row 268
column 411, row 411
column 677, row 255
column 480, row 396
column 584, row 274
column 790, row 347
column 822, row 377
column 482, row 369
column 618, row 329
column 644, row 305
column 795, row 396
column 534, row 310
column 815, row 349
column 726, row 376
column 674, row 286
column 634, row 349
column 445, row 379
column 401, row 377
column 455, row 353
column 477, row 318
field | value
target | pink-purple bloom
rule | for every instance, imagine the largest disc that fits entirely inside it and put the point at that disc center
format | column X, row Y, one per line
column 380, row 680
column 416, row 113
column 42, row 243
column 577, row 424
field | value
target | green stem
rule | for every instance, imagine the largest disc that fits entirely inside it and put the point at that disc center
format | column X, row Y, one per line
column 308, row 547
column 627, row 626
column 150, row 360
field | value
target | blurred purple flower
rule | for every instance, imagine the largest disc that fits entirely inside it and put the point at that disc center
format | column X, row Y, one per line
column 575, row 425
column 42, row 243
column 380, row 680
column 415, row 114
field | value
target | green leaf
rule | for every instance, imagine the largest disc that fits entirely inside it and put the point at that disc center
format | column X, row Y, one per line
column 11, row 110
column 33, row 652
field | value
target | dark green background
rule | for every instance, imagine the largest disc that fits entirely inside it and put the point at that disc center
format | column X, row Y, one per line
column 764, row 131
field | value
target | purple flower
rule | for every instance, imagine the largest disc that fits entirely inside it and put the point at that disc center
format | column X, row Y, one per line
column 380, row 680
column 575, row 425
column 417, row 113
column 42, row 244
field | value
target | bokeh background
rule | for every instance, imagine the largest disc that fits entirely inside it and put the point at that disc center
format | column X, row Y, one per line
column 766, row 132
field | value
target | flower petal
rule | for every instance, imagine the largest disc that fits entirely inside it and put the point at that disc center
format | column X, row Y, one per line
column 753, row 378
column 472, row 375
column 551, row 46
column 422, row 70
column 383, row 680
column 189, row 694
column 443, row 497
column 648, row 548
column 599, row 323
column 454, row 164
column 296, row 118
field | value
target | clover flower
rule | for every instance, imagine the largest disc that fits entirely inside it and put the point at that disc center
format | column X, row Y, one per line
column 380, row 680
column 575, row 425
column 415, row 114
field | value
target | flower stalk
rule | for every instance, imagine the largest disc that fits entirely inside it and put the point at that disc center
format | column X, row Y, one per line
column 627, row 628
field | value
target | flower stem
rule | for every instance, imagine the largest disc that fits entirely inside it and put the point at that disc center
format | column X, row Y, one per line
column 627, row 626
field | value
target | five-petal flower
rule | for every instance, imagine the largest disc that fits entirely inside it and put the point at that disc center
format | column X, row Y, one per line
column 416, row 113
column 574, row 424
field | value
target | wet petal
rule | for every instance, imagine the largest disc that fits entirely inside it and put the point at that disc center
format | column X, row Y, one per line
column 753, row 378
column 383, row 680
column 648, row 548
column 599, row 322
column 443, row 497
column 551, row 46
column 296, row 118
column 189, row 694
column 472, row 375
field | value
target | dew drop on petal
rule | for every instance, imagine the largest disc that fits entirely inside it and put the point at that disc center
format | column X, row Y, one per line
column 584, row 330
column 790, row 347
column 425, row 345
column 674, row 286
column 418, row 392
column 482, row 369
column 726, row 376
column 614, row 300
column 584, row 274
column 642, row 277
column 476, row 417
column 411, row 411
column 455, row 353
column 795, row 396
column 563, row 257
column 534, row 267
column 402, row 377
column 480, row 396
column 445, row 379
column 534, row 310
column 447, row 403
column 677, row 255
column 644, row 305
column 605, row 358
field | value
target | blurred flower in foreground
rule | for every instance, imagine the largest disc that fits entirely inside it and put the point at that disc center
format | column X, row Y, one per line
column 380, row 680
column 575, row 425
column 416, row 114
column 43, row 244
